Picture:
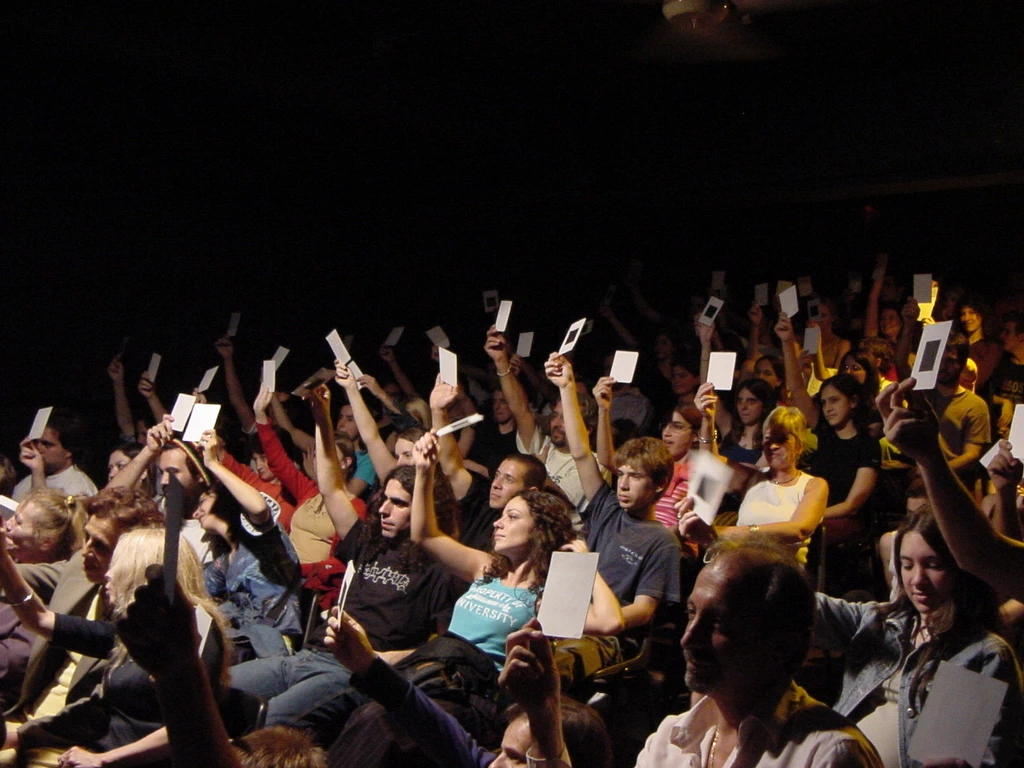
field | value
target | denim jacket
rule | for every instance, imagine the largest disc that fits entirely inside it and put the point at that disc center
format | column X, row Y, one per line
column 875, row 649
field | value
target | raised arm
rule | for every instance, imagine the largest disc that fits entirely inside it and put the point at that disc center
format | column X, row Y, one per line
column 302, row 439
column 448, row 451
column 871, row 311
column 559, row 372
column 236, row 395
column 465, row 562
column 605, row 441
column 704, row 333
column 295, row 482
column 794, row 377
column 624, row 334
column 123, row 411
column 253, row 505
column 1006, row 473
column 148, row 390
column 911, row 310
column 156, row 438
column 497, row 349
column 381, row 458
column 329, row 477
column 387, row 354
column 975, row 545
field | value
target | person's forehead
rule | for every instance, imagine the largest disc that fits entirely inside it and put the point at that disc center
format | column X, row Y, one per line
column 51, row 435
column 402, row 445
column 173, row 457
column 512, row 469
column 346, row 410
column 102, row 529
column 517, row 504
column 630, row 469
column 395, row 490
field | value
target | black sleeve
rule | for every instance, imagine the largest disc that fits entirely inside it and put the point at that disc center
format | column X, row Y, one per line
column 85, row 636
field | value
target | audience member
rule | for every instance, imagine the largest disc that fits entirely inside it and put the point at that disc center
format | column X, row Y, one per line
column 52, row 459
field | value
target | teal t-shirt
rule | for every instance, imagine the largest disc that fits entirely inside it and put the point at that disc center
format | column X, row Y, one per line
column 487, row 613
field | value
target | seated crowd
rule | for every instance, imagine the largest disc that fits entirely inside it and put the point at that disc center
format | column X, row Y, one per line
column 860, row 520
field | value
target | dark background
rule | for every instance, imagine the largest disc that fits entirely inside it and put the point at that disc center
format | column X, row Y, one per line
column 363, row 167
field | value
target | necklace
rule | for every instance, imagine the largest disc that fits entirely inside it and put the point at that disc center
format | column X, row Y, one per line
column 711, row 752
column 786, row 481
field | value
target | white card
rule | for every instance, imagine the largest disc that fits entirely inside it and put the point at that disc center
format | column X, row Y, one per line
column 814, row 310
column 710, row 311
column 465, row 421
column 449, row 362
column 587, row 327
column 504, row 310
column 204, row 417
column 572, row 336
column 567, row 591
column 761, row 294
column 346, row 583
column 1016, row 437
column 280, row 355
column 721, row 367
column 718, row 280
column 338, row 346
column 236, row 318
column 207, row 378
column 180, row 413
column 989, row 455
column 923, row 288
column 154, row 366
column 437, row 335
column 490, row 301
column 39, row 423
column 270, row 375
column 356, row 372
column 929, row 354
column 803, row 286
column 624, row 366
column 855, row 282
column 394, row 336
column 812, row 338
column 525, row 344
column 709, row 480
column 958, row 717
column 314, row 381
column 8, row 507
column 788, row 301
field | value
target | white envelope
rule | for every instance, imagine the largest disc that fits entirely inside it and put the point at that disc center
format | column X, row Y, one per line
column 761, row 294
column 624, row 366
column 929, row 354
column 39, row 423
column 207, row 378
column 154, row 365
column 721, row 368
column 812, row 338
column 394, row 336
column 236, row 317
column 204, row 417
column 803, row 286
column 338, row 346
column 710, row 311
column 788, row 301
column 181, row 411
column 504, row 310
column 709, row 480
column 270, row 375
column 572, row 336
column 280, row 355
column 449, row 363
column 438, row 337
column 525, row 344
column 567, row 591
column 958, row 717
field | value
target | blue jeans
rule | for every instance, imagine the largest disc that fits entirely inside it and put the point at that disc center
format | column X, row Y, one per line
column 309, row 690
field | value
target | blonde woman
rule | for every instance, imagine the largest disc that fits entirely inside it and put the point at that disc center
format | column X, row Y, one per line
column 120, row 723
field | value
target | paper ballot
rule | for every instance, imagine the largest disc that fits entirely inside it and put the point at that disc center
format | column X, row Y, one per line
column 624, row 366
column 570, row 582
column 709, row 480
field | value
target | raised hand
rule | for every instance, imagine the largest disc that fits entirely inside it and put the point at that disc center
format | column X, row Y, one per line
column 784, row 328
column 755, row 314
column 344, row 376
column 497, row 348
column 225, row 347
column 387, row 354
column 213, row 447
column 116, row 370
column 529, row 674
column 914, row 431
column 262, row 403
column 31, row 457
column 1005, row 470
column 603, row 392
column 424, row 452
column 160, row 434
column 146, row 388
column 706, row 400
column 442, row 395
column 559, row 371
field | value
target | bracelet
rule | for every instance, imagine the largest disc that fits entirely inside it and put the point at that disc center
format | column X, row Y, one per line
column 502, row 375
column 705, row 440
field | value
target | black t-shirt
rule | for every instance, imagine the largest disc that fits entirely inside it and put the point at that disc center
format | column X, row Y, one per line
column 490, row 446
column 476, row 528
column 397, row 609
column 837, row 460
column 635, row 557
